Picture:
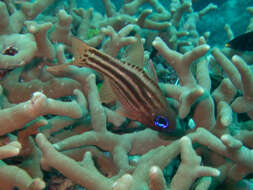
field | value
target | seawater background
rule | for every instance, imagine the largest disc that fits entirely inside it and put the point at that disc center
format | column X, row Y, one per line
column 232, row 12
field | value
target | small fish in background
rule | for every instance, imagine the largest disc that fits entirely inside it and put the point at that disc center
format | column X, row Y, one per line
column 243, row 42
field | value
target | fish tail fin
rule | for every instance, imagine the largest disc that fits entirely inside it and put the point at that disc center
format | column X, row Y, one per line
column 79, row 49
column 57, row 68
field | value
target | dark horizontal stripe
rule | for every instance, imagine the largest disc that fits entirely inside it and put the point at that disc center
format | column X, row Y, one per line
column 94, row 65
column 117, row 64
column 117, row 67
column 118, row 79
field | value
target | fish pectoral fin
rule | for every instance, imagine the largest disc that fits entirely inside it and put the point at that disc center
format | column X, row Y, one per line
column 131, row 115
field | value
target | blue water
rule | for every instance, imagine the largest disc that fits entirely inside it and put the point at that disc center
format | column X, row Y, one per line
column 232, row 12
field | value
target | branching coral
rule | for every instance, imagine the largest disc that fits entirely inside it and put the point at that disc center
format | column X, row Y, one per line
column 52, row 115
column 23, row 48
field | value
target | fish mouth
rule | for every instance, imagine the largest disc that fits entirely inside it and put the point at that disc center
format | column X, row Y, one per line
column 4, row 72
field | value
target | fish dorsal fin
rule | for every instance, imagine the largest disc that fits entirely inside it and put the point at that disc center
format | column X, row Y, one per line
column 135, row 53
column 135, row 58
column 147, row 76
column 150, row 70
column 106, row 93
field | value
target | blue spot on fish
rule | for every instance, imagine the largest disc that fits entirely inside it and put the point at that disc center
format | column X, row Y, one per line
column 161, row 122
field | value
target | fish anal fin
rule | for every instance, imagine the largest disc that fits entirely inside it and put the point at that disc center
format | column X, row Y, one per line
column 120, row 110
column 125, row 107
column 106, row 93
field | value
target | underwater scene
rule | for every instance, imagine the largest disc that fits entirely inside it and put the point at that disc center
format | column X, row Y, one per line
column 126, row 95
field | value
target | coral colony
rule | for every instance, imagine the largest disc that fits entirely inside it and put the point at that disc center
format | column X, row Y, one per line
column 130, row 99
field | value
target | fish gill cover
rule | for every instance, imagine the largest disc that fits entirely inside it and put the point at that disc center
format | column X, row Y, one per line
column 126, row 94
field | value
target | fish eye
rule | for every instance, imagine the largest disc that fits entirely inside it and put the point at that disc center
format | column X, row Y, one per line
column 161, row 121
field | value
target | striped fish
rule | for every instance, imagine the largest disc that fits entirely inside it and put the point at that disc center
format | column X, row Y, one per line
column 141, row 97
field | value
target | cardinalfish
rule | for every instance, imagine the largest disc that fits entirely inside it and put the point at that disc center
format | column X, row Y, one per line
column 140, row 96
column 242, row 42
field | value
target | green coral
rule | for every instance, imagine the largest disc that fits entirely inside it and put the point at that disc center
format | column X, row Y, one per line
column 92, row 32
